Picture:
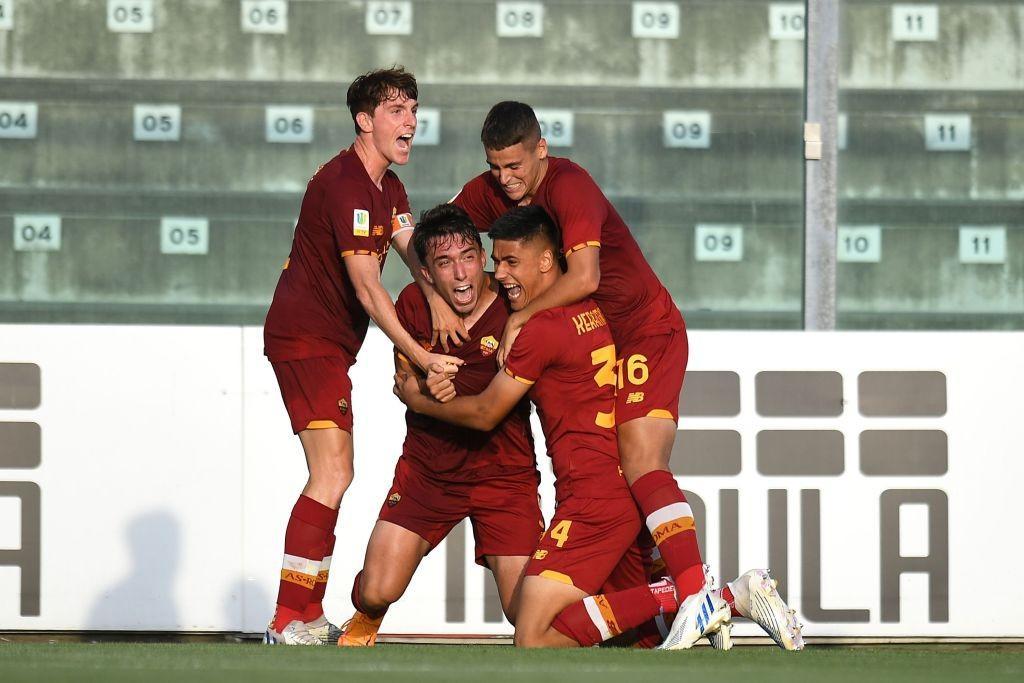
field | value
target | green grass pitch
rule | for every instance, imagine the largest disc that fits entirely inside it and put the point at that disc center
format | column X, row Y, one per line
column 227, row 663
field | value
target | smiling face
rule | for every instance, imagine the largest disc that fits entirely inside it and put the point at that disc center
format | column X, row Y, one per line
column 391, row 127
column 455, row 267
column 519, row 168
column 524, row 269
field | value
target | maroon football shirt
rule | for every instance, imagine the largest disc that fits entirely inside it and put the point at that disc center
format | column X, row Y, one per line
column 315, row 311
column 444, row 451
column 567, row 356
column 630, row 294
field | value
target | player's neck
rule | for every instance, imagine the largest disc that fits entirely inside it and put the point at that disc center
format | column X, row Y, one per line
column 528, row 198
column 374, row 162
column 487, row 296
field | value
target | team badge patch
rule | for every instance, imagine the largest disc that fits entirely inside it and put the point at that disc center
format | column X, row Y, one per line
column 343, row 406
column 488, row 345
column 394, row 499
column 404, row 220
column 361, row 223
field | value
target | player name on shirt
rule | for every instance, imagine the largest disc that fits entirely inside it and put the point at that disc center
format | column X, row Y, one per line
column 588, row 321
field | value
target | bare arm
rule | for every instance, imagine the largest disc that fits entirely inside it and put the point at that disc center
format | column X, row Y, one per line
column 580, row 281
column 364, row 272
column 483, row 411
column 446, row 324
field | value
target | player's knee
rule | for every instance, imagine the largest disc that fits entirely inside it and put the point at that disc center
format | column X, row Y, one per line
column 377, row 595
column 527, row 638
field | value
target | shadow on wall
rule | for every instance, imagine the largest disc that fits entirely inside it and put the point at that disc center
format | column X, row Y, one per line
column 144, row 600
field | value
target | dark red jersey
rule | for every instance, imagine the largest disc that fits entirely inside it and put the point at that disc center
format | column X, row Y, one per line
column 451, row 453
column 315, row 311
column 567, row 356
column 630, row 294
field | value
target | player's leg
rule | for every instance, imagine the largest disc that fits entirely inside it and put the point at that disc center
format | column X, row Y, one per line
column 392, row 556
column 417, row 513
column 314, row 391
column 625, row 603
column 647, row 410
column 539, row 602
column 506, row 517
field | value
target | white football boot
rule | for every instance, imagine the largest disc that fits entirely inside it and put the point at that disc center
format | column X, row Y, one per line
column 327, row 632
column 758, row 600
column 700, row 614
column 294, row 633
column 721, row 638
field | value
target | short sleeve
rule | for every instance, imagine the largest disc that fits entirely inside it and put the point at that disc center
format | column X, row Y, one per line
column 348, row 215
column 403, row 219
column 580, row 209
column 473, row 200
column 532, row 352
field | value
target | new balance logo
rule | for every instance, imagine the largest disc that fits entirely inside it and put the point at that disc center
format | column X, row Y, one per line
column 635, row 397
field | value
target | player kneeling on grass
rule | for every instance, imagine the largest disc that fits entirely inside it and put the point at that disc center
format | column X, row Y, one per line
column 447, row 473
column 565, row 359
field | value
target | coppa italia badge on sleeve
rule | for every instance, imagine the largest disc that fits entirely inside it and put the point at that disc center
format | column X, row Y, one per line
column 488, row 345
column 361, row 223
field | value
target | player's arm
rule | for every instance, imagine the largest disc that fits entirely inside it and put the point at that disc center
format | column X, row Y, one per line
column 482, row 411
column 447, row 326
column 364, row 271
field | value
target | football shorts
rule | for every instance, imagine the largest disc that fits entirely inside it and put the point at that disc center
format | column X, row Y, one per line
column 317, row 392
column 504, row 510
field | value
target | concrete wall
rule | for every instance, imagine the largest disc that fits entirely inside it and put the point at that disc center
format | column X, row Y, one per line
column 111, row 190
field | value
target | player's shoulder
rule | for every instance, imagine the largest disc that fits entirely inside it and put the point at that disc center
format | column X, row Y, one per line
column 411, row 298
column 392, row 179
column 565, row 170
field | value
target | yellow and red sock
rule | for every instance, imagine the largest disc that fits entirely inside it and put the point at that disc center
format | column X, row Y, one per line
column 304, row 547
column 670, row 521
column 598, row 618
column 315, row 609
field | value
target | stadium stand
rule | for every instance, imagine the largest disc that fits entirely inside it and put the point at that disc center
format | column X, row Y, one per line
column 693, row 129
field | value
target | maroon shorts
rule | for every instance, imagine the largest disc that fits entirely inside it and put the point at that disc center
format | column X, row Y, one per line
column 504, row 510
column 589, row 543
column 317, row 392
column 651, row 376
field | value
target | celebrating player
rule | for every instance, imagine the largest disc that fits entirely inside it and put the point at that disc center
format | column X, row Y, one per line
column 604, row 262
column 449, row 473
column 328, row 291
column 565, row 358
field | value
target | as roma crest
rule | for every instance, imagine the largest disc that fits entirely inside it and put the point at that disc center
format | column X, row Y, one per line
column 488, row 345
column 394, row 499
column 343, row 406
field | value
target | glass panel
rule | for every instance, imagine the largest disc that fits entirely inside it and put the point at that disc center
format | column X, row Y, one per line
column 931, row 208
column 153, row 166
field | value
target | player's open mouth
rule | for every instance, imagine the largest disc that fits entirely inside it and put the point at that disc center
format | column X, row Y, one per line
column 512, row 188
column 513, row 292
column 463, row 294
column 404, row 142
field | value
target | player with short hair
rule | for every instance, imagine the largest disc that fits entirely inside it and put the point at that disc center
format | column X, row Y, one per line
column 353, row 210
column 604, row 262
column 565, row 360
column 448, row 473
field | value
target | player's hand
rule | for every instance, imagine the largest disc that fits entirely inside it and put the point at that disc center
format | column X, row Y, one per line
column 448, row 364
column 508, row 337
column 406, row 386
column 448, row 327
column 439, row 384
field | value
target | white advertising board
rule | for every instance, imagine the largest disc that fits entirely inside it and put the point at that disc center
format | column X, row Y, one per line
column 157, row 485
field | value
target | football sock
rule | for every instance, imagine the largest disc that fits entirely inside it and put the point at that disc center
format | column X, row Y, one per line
column 598, row 618
column 304, row 546
column 736, row 594
column 315, row 608
column 652, row 633
column 654, row 566
column 670, row 521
